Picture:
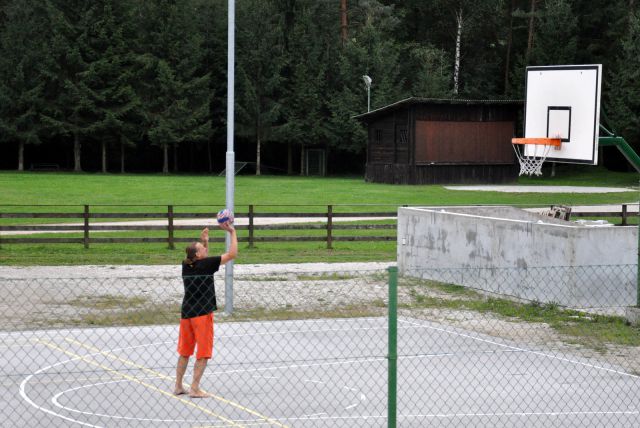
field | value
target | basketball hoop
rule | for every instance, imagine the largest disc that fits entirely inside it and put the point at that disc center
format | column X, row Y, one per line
column 533, row 153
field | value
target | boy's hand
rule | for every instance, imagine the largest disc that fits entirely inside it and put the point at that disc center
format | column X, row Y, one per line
column 227, row 226
column 204, row 235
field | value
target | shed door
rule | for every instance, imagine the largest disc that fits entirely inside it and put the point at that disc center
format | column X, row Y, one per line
column 464, row 142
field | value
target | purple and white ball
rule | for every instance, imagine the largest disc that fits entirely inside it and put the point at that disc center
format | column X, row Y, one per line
column 225, row 216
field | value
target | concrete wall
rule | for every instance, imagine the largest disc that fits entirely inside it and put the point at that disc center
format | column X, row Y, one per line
column 513, row 252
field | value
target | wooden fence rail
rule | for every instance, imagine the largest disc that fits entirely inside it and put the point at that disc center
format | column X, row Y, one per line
column 300, row 221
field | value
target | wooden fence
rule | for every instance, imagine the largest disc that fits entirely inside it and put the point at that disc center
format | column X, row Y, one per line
column 300, row 221
column 303, row 221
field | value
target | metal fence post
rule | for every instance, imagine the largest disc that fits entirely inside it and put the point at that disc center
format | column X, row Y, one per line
column 392, row 357
column 86, row 226
column 170, row 227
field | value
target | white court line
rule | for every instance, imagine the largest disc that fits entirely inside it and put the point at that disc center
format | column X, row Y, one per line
column 543, row 354
column 56, row 397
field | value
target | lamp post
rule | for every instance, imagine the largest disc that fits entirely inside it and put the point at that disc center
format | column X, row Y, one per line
column 230, row 158
column 367, row 83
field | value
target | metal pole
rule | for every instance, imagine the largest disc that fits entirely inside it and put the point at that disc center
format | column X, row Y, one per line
column 230, row 160
column 392, row 383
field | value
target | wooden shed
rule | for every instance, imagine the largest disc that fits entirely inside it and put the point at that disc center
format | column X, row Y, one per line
column 442, row 141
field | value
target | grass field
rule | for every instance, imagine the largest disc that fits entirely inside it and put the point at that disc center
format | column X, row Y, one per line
column 117, row 189
column 104, row 192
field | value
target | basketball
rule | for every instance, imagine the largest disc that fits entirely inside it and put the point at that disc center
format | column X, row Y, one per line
column 225, row 216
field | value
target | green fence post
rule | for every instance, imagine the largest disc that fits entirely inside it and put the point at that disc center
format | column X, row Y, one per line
column 393, row 348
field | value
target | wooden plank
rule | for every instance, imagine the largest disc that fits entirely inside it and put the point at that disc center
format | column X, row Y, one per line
column 41, row 215
column 40, row 228
column 42, row 240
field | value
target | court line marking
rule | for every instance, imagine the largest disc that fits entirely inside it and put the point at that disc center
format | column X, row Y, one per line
column 163, row 376
column 539, row 353
column 128, row 377
column 55, row 401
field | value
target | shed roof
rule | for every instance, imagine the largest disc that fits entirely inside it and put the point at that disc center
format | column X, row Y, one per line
column 418, row 100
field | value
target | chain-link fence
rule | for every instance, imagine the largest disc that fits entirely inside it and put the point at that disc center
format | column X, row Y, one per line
column 318, row 349
column 494, row 347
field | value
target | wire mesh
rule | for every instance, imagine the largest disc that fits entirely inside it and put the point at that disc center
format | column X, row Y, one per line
column 311, row 350
column 300, row 349
column 494, row 347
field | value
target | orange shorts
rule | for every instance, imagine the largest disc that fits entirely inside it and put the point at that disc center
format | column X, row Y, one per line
column 198, row 330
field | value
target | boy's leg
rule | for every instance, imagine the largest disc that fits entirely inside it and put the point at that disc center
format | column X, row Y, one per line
column 198, row 371
column 181, row 368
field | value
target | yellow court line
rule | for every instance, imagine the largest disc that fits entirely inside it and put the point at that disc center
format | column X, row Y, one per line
column 136, row 380
column 163, row 376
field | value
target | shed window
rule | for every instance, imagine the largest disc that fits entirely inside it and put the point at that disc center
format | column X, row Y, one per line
column 378, row 136
column 403, row 136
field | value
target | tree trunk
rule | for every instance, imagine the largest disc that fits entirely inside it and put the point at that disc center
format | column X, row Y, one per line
column 209, row 155
column 631, row 9
column 507, row 61
column 289, row 158
column 165, row 164
column 301, row 159
column 175, row 158
column 122, row 157
column 456, row 68
column 21, row 156
column 104, row 157
column 532, row 12
column 258, row 144
column 77, row 149
column 343, row 22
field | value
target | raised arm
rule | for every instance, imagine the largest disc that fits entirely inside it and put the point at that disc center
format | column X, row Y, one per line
column 233, row 248
column 204, row 238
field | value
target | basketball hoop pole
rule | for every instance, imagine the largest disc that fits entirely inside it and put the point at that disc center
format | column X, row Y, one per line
column 230, row 159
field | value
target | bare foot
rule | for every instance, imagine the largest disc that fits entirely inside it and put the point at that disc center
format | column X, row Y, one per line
column 179, row 391
column 198, row 393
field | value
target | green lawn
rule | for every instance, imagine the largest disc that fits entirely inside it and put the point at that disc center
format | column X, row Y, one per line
column 162, row 190
column 21, row 192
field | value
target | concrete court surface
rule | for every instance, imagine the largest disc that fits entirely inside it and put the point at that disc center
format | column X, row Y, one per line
column 318, row 373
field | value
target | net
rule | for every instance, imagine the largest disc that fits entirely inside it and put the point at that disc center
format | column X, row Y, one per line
column 539, row 149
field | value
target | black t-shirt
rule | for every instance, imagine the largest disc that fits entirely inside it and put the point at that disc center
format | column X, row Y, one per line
column 199, row 291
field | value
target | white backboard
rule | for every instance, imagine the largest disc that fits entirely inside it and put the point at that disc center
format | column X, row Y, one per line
column 564, row 101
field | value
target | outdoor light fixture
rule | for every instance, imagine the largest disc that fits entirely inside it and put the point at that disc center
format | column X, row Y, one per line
column 367, row 83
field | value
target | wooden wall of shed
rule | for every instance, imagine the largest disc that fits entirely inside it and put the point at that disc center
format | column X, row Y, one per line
column 391, row 147
column 441, row 174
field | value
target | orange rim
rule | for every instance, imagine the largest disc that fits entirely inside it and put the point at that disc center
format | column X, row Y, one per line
column 541, row 141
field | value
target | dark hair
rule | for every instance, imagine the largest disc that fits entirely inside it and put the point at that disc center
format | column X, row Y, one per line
column 191, row 251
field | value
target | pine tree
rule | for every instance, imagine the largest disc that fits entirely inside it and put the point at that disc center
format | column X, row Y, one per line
column 109, row 76
column 68, row 111
column 173, row 92
column 623, row 106
column 260, row 59
column 22, row 52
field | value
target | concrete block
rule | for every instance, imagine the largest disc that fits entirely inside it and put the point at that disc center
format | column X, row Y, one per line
column 517, row 253
column 633, row 315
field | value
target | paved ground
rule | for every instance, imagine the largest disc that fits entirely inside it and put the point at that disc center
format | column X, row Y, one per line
column 542, row 189
column 330, row 372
